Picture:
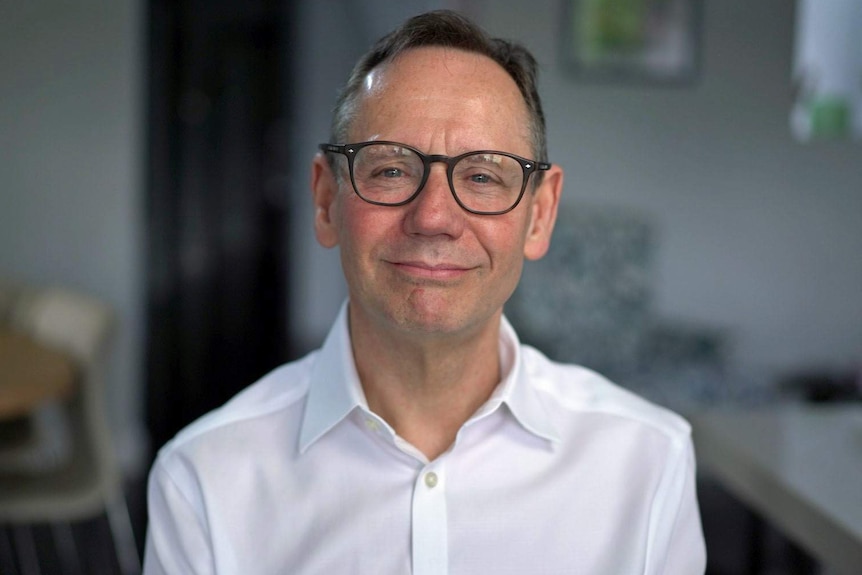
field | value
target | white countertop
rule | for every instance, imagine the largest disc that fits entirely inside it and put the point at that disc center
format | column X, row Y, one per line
column 800, row 466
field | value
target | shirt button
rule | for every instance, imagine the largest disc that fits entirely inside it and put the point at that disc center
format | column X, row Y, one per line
column 431, row 480
column 372, row 424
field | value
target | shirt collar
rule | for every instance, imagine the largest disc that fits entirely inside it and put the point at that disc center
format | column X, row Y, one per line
column 335, row 390
column 518, row 391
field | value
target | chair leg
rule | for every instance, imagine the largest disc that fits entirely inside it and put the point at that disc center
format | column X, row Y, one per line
column 123, row 535
column 64, row 540
column 25, row 548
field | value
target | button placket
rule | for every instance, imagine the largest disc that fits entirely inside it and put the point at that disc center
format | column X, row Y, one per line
column 430, row 523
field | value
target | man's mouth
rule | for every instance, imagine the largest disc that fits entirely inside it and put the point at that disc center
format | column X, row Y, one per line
column 428, row 270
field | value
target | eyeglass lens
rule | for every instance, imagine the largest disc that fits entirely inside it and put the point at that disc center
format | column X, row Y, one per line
column 483, row 182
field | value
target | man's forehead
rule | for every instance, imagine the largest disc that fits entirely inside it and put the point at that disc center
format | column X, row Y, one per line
column 455, row 62
column 421, row 80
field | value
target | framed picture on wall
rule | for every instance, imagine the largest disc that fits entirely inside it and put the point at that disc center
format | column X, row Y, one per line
column 632, row 40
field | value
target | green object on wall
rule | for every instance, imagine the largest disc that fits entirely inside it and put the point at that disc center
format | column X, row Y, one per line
column 612, row 26
column 830, row 117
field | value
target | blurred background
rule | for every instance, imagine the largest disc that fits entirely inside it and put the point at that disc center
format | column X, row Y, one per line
column 154, row 156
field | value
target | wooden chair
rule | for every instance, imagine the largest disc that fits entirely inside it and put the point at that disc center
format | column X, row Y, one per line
column 66, row 471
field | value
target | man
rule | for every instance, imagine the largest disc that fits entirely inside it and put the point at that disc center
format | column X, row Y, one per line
column 422, row 437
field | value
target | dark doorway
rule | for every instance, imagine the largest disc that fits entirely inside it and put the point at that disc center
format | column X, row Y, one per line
column 216, row 216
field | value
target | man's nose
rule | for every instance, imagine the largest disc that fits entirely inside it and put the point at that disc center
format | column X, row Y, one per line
column 434, row 211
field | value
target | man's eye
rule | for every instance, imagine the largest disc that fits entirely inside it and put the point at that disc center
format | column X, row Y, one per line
column 480, row 178
column 392, row 173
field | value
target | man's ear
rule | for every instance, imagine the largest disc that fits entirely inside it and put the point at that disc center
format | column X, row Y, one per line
column 545, row 201
column 324, row 189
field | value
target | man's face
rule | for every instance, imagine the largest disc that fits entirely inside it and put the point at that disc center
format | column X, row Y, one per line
column 429, row 267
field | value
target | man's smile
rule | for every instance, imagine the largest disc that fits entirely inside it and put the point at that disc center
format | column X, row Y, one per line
column 428, row 270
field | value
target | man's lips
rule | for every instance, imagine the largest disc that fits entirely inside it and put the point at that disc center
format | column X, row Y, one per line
column 431, row 270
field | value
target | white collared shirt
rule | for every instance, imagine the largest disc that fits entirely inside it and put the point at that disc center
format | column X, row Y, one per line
column 559, row 472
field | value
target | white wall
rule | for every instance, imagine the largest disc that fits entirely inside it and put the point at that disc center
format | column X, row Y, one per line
column 71, row 149
column 758, row 233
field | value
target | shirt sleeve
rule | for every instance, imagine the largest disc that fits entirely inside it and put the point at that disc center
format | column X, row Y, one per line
column 679, row 547
column 177, row 538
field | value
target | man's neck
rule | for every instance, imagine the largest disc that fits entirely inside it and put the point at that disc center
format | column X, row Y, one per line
column 426, row 388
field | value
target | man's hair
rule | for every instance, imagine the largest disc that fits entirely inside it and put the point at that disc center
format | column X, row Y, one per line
column 448, row 29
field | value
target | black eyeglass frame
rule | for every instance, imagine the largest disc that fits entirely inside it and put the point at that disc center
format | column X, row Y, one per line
column 350, row 150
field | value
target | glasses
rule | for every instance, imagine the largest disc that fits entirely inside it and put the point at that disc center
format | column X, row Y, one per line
column 484, row 182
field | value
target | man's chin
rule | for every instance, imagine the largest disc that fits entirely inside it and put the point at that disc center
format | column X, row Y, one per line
column 439, row 320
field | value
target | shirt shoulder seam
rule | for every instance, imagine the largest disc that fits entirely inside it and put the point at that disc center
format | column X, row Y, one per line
column 234, row 411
